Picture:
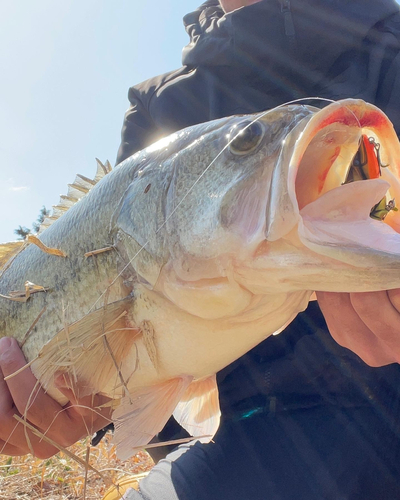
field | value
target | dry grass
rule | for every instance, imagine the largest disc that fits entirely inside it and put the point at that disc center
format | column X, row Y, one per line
column 7, row 250
column 61, row 478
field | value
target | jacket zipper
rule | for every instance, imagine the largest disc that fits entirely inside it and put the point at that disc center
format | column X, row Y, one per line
column 287, row 18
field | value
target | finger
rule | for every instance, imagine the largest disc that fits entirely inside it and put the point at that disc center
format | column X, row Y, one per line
column 16, row 440
column 349, row 331
column 89, row 410
column 6, row 407
column 13, row 440
column 34, row 404
column 11, row 451
column 6, row 402
column 92, row 409
column 25, row 391
column 377, row 312
column 86, row 405
column 63, row 425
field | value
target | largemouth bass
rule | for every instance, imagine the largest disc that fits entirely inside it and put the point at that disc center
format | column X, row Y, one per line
column 193, row 251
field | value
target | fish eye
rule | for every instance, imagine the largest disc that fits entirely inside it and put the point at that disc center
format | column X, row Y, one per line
column 246, row 137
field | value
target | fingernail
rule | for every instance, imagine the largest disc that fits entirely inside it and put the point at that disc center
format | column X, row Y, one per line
column 5, row 344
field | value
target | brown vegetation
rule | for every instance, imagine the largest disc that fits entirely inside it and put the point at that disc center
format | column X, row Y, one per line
column 7, row 250
column 62, row 478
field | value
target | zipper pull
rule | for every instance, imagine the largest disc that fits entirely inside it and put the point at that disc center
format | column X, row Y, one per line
column 287, row 17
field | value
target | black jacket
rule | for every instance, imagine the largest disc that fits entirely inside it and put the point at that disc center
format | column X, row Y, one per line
column 250, row 60
column 254, row 59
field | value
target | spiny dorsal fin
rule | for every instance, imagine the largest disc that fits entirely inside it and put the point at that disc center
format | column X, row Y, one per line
column 76, row 191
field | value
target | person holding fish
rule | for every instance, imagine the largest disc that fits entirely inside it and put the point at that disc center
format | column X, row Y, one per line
column 302, row 417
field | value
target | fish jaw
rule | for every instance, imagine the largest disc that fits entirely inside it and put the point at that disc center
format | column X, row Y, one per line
column 334, row 245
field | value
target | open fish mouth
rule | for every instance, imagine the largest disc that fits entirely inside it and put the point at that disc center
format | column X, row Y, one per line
column 356, row 178
column 347, row 142
column 333, row 204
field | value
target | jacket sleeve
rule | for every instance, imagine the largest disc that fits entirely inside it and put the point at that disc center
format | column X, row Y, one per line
column 138, row 130
column 173, row 477
column 193, row 471
column 388, row 91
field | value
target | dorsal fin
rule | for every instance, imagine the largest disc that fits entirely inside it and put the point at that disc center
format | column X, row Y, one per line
column 76, row 191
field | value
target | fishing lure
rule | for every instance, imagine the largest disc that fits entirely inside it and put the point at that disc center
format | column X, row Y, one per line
column 367, row 164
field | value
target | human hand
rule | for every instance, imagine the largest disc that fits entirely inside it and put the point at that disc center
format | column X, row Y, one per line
column 367, row 323
column 23, row 396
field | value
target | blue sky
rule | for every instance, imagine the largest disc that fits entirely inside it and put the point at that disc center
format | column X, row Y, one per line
column 65, row 71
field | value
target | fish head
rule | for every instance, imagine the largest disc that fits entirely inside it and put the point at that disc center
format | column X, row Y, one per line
column 262, row 204
column 201, row 194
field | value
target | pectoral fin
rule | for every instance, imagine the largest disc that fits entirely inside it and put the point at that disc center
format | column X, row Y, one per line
column 198, row 411
column 102, row 338
column 143, row 414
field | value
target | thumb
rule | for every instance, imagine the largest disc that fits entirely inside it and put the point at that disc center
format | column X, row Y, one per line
column 11, row 356
column 82, row 398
